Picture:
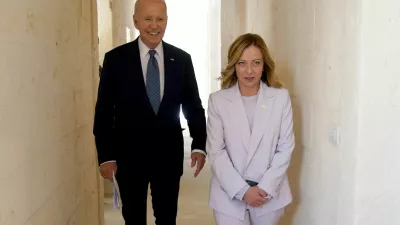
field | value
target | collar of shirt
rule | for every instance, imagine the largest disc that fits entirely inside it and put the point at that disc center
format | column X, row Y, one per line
column 144, row 50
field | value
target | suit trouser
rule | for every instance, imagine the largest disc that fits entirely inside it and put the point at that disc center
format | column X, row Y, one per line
column 250, row 218
column 164, row 194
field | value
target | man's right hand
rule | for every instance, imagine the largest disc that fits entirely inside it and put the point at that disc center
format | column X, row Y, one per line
column 107, row 169
column 255, row 197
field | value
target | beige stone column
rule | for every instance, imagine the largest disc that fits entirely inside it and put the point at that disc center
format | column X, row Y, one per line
column 48, row 172
column 259, row 19
column 105, row 27
column 122, row 21
column 240, row 16
column 215, row 45
column 233, row 23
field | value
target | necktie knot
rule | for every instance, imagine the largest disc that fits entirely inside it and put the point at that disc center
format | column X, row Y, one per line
column 152, row 52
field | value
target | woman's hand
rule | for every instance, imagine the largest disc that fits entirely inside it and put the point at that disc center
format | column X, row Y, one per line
column 255, row 197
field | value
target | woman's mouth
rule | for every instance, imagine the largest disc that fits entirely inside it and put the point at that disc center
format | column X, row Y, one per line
column 249, row 78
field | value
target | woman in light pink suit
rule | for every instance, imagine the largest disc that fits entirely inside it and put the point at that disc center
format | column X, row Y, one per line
column 250, row 138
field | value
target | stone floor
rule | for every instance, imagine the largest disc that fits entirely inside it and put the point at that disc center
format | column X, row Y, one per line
column 193, row 208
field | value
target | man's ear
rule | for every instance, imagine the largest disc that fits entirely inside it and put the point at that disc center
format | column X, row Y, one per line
column 134, row 21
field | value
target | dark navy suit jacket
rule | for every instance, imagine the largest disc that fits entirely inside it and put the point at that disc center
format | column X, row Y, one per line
column 125, row 127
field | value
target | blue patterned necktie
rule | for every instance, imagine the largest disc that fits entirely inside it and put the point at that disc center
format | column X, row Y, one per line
column 153, row 81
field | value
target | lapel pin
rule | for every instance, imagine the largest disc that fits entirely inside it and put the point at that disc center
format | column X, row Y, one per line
column 172, row 59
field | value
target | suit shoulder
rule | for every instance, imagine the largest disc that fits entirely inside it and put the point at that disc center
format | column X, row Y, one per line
column 283, row 96
column 119, row 50
column 282, row 91
column 177, row 51
column 219, row 94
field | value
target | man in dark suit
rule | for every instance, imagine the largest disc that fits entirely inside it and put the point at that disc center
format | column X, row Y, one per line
column 137, row 127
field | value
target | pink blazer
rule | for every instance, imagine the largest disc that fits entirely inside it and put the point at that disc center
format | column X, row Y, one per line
column 236, row 154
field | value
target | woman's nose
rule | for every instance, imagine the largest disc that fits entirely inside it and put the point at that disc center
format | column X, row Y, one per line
column 249, row 69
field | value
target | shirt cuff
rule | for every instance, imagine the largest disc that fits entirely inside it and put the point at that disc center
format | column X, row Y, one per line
column 242, row 192
column 107, row 162
column 198, row 150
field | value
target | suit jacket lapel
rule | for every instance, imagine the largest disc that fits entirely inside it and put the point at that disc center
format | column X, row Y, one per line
column 263, row 112
column 239, row 115
column 136, row 73
column 169, row 68
column 137, row 64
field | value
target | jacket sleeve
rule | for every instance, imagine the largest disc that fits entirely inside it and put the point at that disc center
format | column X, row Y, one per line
column 221, row 165
column 272, row 179
column 103, row 129
column 193, row 110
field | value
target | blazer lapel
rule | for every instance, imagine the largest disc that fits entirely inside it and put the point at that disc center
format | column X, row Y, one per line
column 239, row 115
column 263, row 112
column 169, row 68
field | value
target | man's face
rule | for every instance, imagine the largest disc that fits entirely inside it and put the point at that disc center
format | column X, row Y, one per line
column 151, row 21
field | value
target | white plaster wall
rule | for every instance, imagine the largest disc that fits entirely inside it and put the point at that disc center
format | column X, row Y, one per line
column 340, row 60
column 378, row 171
column 48, row 171
column 314, row 44
column 317, row 57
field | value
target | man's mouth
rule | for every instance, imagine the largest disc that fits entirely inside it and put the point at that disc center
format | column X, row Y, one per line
column 153, row 33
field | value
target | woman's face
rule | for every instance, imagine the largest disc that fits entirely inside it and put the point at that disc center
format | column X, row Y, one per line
column 249, row 68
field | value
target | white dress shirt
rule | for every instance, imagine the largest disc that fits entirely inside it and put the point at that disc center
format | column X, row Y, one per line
column 144, row 58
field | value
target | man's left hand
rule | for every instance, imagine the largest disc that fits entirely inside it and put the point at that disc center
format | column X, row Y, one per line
column 199, row 159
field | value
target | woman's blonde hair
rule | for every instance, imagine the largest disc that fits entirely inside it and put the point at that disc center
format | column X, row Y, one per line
column 229, row 77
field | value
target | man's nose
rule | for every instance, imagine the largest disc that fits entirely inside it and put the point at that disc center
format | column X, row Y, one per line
column 154, row 24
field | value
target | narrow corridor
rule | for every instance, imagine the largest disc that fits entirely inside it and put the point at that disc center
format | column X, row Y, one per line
column 339, row 59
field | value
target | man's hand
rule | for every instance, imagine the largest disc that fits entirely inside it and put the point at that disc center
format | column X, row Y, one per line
column 107, row 169
column 199, row 159
column 255, row 197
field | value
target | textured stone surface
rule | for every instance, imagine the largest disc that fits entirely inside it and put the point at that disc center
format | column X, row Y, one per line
column 48, row 172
